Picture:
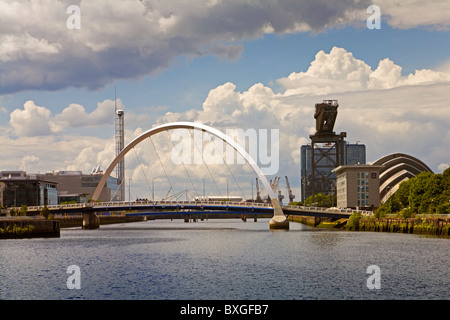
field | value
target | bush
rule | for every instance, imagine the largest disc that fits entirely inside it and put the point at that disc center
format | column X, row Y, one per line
column 353, row 221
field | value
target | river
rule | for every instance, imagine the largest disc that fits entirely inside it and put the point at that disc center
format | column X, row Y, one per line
column 224, row 259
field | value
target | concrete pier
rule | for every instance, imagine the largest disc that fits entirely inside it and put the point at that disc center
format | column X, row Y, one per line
column 279, row 220
column 91, row 221
column 279, row 223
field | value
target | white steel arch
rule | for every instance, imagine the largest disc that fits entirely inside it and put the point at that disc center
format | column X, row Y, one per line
column 278, row 212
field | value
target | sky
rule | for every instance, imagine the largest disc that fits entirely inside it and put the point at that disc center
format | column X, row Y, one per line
column 241, row 64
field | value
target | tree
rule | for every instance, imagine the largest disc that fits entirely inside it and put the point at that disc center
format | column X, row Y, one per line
column 23, row 210
column 425, row 193
column 45, row 211
column 320, row 200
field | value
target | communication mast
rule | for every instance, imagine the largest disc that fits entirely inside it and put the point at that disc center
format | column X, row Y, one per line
column 119, row 141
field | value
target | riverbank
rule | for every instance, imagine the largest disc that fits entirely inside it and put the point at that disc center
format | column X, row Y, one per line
column 22, row 228
column 420, row 225
column 426, row 225
column 29, row 228
column 72, row 222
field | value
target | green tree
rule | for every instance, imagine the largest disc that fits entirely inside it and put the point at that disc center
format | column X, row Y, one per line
column 23, row 210
column 45, row 211
column 425, row 193
column 320, row 200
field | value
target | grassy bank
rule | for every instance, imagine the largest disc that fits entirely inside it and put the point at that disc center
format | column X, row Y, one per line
column 16, row 231
column 417, row 225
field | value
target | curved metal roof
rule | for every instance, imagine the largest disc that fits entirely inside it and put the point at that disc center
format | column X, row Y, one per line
column 397, row 167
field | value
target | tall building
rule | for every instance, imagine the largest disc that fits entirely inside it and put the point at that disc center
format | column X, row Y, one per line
column 325, row 177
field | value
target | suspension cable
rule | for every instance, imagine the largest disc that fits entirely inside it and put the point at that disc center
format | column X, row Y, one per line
column 157, row 153
column 235, row 180
column 143, row 172
column 205, row 164
column 170, row 138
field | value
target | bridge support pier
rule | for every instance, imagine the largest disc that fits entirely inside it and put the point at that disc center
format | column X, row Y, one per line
column 91, row 221
column 279, row 223
column 279, row 220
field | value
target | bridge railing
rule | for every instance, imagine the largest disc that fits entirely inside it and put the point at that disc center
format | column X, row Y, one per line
column 333, row 210
column 187, row 202
column 147, row 203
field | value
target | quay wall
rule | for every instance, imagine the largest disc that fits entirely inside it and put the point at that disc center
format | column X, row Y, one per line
column 29, row 228
column 425, row 226
column 72, row 222
column 428, row 225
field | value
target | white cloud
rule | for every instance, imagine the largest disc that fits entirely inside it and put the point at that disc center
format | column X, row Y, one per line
column 441, row 167
column 29, row 163
column 415, row 13
column 35, row 120
column 130, row 39
column 75, row 115
column 32, row 121
column 25, row 47
column 386, row 111
column 340, row 71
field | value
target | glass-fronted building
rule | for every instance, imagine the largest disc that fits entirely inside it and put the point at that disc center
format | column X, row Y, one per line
column 325, row 177
column 17, row 189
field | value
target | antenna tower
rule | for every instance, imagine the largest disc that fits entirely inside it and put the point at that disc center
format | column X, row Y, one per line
column 119, row 141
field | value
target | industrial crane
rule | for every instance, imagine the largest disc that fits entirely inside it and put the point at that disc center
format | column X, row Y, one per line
column 258, row 196
column 291, row 196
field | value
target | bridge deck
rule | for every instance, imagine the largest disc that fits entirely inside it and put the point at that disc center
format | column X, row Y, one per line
column 186, row 206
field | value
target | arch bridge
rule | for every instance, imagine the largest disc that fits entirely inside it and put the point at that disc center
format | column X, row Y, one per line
column 278, row 221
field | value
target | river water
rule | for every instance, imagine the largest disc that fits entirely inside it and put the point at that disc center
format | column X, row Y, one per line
column 224, row 259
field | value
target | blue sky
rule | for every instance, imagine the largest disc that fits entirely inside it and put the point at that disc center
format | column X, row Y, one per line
column 192, row 50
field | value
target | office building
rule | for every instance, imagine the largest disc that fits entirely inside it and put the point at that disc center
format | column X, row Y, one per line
column 324, row 176
column 18, row 188
column 74, row 186
column 358, row 186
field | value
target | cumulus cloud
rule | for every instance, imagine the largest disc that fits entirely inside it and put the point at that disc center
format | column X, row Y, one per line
column 29, row 163
column 32, row 120
column 75, row 115
column 383, row 109
column 340, row 71
column 35, row 120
